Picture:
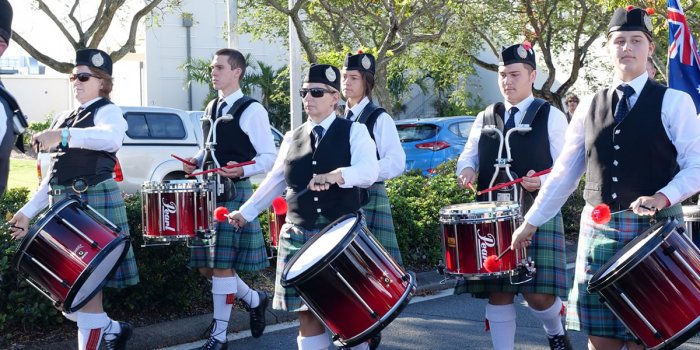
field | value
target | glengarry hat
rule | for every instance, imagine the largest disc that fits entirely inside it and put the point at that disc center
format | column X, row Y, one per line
column 361, row 61
column 631, row 19
column 324, row 74
column 5, row 20
column 94, row 58
column 518, row 53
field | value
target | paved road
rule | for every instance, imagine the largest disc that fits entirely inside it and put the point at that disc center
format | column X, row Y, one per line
column 443, row 321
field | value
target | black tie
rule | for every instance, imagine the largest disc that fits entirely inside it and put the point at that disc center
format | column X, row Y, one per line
column 318, row 134
column 511, row 120
column 348, row 116
column 74, row 116
column 222, row 105
column 623, row 107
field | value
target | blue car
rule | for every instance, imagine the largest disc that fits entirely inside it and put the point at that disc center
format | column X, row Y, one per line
column 428, row 142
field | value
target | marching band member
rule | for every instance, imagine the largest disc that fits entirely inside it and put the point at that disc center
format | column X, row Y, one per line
column 246, row 137
column 88, row 139
column 331, row 157
column 637, row 141
column 532, row 151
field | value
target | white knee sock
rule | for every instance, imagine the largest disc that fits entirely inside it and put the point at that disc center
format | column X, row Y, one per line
column 90, row 328
column 502, row 324
column 223, row 290
column 247, row 294
column 112, row 331
column 551, row 318
column 314, row 342
column 363, row 346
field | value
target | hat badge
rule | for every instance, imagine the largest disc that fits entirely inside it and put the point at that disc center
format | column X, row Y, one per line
column 366, row 63
column 647, row 22
column 330, row 74
column 97, row 60
column 522, row 52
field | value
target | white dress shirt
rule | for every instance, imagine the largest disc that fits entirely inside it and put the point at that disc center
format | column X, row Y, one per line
column 682, row 126
column 256, row 124
column 556, row 127
column 362, row 172
column 392, row 158
column 107, row 135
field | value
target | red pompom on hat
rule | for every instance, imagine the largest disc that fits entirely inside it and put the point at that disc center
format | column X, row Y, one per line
column 527, row 45
column 601, row 214
column 220, row 214
column 630, row 7
column 650, row 11
column 359, row 52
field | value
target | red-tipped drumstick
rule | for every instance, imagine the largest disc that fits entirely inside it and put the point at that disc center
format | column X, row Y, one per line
column 601, row 213
column 471, row 186
column 223, row 167
column 518, row 180
column 279, row 205
column 220, row 214
column 183, row 160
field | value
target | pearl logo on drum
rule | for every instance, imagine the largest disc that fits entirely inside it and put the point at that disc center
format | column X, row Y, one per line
column 168, row 208
column 79, row 251
column 485, row 242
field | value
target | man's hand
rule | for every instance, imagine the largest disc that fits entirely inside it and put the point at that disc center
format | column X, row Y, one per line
column 236, row 219
column 189, row 168
column 522, row 237
column 231, row 173
column 20, row 225
column 531, row 184
column 649, row 205
column 46, row 140
column 466, row 177
column 322, row 182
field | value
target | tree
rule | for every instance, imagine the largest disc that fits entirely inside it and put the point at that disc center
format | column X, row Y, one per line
column 82, row 34
column 329, row 29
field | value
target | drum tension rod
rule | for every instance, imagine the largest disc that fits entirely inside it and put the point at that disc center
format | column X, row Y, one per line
column 77, row 231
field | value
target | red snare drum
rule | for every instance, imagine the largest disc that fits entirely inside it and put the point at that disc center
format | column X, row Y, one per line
column 275, row 222
column 691, row 218
column 653, row 286
column 69, row 252
column 349, row 281
column 473, row 231
column 177, row 210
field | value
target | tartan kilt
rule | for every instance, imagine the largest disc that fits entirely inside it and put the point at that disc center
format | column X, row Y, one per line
column 548, row 251
column 242, row 250
column 596, row 245
column 106, row 199
column 380, row 222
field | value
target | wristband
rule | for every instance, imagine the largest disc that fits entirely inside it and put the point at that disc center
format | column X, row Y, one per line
column 64, row 137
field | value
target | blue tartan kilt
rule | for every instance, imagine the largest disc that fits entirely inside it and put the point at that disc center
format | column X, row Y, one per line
column 597, row 243
column 106, row 199
column 242, row 249
column 377, row 213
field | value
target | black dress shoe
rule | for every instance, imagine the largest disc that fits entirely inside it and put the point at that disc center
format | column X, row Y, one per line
column 375, row 340
column 560, row 342
column 119, row 343
column 213, row 344
column 257, row 316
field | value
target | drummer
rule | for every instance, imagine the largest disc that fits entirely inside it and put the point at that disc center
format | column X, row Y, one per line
column 616, row 137
column 87, row 140
column 531, row 151
column 330, row 156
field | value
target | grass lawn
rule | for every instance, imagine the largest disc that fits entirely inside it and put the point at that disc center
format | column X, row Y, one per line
column 23, row 174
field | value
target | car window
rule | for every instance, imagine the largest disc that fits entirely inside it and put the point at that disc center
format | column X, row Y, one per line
column 155, row 125
column 461, row 129
column 416, row 132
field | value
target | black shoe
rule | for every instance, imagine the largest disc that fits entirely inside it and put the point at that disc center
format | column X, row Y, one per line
column 374, row 341
column 119, row 343
column 257, row 316
column 213, row 344
column 560, row 342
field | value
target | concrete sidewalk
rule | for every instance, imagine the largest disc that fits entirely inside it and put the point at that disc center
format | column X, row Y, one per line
column 187, row 330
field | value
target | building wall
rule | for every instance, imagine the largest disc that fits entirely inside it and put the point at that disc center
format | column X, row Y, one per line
column 39, row 96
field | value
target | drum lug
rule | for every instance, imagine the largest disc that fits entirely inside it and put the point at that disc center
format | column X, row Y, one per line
column 668, row 249
column 440, row 269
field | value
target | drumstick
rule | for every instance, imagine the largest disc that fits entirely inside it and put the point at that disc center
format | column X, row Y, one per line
column 183, row 160
column 518, row 180
column 223, row 167
column 503, row 253
column 471, row 186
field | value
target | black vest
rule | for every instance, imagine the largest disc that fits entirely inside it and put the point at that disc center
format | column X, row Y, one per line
column 8, row 140
column 90, row 165
column 369, row 117
column 529, row 150
column 301, row 163
column 631, row 159
column 232, row 144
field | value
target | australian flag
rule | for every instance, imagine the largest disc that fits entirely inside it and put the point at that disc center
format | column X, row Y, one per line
column 683, row 59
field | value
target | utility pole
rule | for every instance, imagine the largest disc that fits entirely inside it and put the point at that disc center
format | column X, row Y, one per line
column 294, row 74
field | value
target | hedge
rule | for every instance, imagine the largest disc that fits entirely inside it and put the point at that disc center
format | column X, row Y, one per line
column 169, row 288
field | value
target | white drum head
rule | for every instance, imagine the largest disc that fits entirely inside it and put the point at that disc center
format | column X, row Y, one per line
column 479, row 211
column 99, row 274
column 321, row 247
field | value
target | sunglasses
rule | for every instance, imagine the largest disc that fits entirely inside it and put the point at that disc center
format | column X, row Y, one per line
column 82, row 77
column 315, row 92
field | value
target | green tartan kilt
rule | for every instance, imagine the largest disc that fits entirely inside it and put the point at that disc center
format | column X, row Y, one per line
column 548, row 251
column 292, row 239
column 106, row 199
column 596, row 245
column 380, row 222
column 242, row 249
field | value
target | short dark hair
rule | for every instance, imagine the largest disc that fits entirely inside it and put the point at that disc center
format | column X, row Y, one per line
column 572, row 97
column 235, row 59
column 368, row 80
